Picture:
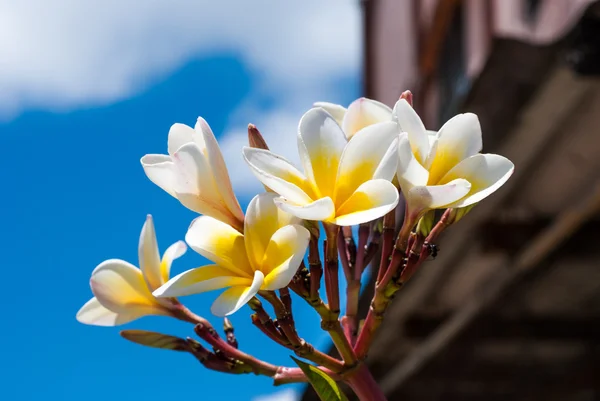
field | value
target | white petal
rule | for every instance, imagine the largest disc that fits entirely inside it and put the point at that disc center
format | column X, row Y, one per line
column 263, row 219
column 95, row 314
column 364, row 156
column 283, row 256
column 197, row 189
column 424, row 198
column 458, row 139
column 370, row 201
column 202, row 279
column 278, row 174
column 234, row 298
column 319, row 210
column 362, row 113
column 485, row 172
column 411, row 123
column 149, row 256
column 321, row 142
column 220, row 243
column 173, row 252
column 410, row 172
column 179, row 135
column 120, row 287
column 219, row 169
column 336, row 111
column 161, row 171
column 389, row 163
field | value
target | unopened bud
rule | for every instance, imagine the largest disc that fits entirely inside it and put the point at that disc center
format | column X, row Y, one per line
column 255, row 138
column 408, row 96
column 458, row 213
column 425, row 225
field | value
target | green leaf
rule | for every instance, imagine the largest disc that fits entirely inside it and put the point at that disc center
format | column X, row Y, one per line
column 326, row 388
column 155, row 340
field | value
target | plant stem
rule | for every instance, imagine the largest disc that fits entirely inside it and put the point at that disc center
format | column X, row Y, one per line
column 315, row 267
column 297, row 344
column 364, row 385
column 332, row 285
column 287, row 375
column 208, row 334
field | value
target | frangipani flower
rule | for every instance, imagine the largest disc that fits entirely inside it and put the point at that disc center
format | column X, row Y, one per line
column 360, row 114
column 122, row 292
column 345, row 182
column 445, row 170
column 194, row 172
column 266, row 257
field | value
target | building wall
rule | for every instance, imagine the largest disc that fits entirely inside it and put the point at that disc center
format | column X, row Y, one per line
column 407, row 43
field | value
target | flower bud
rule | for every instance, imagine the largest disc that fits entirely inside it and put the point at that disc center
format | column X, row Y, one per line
column 425, row 224
column 408, row 96
column 255, row 138
column 458, row 213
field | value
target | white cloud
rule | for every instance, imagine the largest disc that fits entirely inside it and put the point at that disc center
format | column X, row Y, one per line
column 65, row 54
column 283, row 395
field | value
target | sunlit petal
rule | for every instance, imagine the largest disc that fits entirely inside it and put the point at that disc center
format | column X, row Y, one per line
column 485, row 172
column 422, row 198
column 411, row 123
column 196, row 187
column 278, row 174
column 362, row 113
column 179, row 135
column 202, row 279
column 234, row 298
column 149, row 256
column 263, row 219
column 370, row 201
column 283, row 256
column 220, row 243
column 336, row 111
column 363, row 157
column 95, row 314
column 120, row 286
column 173, row 252
column 219, row 169
column 410, row 172
column 458, row 139
column 321, row 142
column 161, row 171
column 320, row 210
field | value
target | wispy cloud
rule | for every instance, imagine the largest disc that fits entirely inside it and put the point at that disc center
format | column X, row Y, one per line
column 65, row 54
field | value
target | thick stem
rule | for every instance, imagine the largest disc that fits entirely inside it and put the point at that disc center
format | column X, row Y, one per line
column 287, row 375
column 363, row 236
column 364, row 385
column 347, row 266
column 389, row 228
column 315, row 267
column 351, row 319
column 332, row 284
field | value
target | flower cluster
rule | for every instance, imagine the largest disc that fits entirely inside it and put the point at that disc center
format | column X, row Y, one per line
column 357, row 163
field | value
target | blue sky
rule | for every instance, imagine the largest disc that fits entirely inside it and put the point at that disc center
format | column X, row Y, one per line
column 81, row 100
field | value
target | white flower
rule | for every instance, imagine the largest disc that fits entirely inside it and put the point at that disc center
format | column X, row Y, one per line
column 265, row 257
column 194, row 172
column 445, row 169
column 344, row 182
column 122, row 292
